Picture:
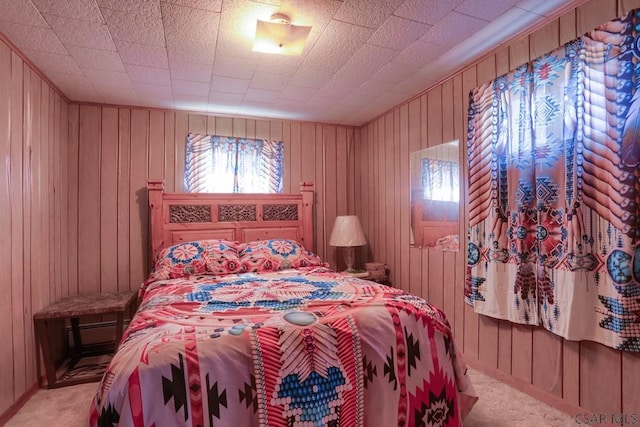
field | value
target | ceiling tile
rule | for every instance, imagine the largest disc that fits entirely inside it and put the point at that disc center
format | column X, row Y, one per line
column 341, row 42
column 191, row 102
column 151, row 75
column 85, row 10
column 154, row 101
column 190, row 71
column 103, row 77
column 290, row 108
column 280, row 64
column 225, row 98
column 190, row 24
column 229, row 66
column 398, row 33
column 73, row 86
column 364, row 64
column 371, row 88
column 261, row 95
column 313, row 13
column 453, row 29
column 145, row 90
column 210, row 5
column 35, row 38
column 135, row 27
column 147, row 8
column 427, row 11
column 365, row 12
column 336, row 90
column 310, row 77
column 81, row 33
column 485, row 9
column 324, row 102
column 142, row 54
column 185, row 50
column 21, row 12
column 262, row 80
column 231, row 45
column 53, row 62
column 394, row 71
column 420, row 53
column 95, row 58
column 229, row 85
column 298, row 93
column 185, row 87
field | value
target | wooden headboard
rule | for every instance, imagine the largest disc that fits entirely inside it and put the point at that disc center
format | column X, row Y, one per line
column 179, row 217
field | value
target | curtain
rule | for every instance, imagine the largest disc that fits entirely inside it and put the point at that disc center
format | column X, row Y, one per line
column 217, row 164
column 440, row 180
column 554, row 190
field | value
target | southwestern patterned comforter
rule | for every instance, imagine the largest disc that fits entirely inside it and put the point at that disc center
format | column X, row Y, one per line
column 296, row 347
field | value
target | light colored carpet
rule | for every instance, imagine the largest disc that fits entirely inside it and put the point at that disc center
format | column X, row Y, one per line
column 499, row 406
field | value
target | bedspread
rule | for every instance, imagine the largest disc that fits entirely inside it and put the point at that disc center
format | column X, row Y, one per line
column 304, row 347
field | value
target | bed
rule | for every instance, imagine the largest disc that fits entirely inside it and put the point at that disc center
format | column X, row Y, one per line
column 241, row 324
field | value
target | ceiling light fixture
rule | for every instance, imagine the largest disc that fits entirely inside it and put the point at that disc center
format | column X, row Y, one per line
column 280, row 36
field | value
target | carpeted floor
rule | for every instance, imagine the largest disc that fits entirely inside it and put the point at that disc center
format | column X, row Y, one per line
column 499, row 406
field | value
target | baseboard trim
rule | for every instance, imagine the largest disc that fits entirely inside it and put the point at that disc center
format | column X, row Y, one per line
column 13, row 409
column 527, row 388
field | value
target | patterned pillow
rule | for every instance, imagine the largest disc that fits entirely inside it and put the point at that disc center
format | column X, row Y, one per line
column 276, row 254
column 217, row 257
column 222, row 257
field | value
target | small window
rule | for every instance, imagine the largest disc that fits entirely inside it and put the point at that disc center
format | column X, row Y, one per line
column 440, row 180
column 220, row 164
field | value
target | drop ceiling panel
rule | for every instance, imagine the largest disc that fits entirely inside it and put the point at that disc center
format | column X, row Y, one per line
column 135, row 27
column 81, row 33
column 96, row 58
column 360, row 59
column 34, row 38
column 84, row 10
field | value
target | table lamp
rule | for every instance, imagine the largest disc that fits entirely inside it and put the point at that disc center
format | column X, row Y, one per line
column 347, row 233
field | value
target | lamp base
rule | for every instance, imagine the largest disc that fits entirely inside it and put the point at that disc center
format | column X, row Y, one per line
column 349, row 258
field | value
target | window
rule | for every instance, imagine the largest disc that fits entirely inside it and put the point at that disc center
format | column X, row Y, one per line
column 220, row 164
column 440, row 180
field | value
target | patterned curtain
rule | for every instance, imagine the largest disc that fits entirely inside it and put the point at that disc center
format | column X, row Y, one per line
column 217, row 164
column 440, row 180
column 554, row 190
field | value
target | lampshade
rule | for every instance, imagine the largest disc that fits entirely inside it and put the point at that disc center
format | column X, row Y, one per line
column 279, row 36
column 347, row 232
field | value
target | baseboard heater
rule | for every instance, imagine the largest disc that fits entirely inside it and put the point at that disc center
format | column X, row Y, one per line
column 96, row 332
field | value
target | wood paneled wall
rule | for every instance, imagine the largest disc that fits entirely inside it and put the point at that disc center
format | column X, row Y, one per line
column 34, row 215
column 114, row 150
column 566, row 373
column 73, row 211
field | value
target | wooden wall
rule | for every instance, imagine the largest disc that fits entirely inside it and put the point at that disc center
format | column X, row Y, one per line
column 34, row 214
column 114, row 150
column 566, row 373
column 73, row 211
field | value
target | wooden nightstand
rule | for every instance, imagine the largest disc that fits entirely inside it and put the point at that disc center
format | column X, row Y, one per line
column 47, row 323
column 365, row 275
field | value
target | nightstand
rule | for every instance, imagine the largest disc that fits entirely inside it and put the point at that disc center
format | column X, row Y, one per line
column 48, row 321
column 366, row 275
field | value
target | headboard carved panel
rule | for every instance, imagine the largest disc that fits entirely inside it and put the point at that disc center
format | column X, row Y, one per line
column 280, row 212
column 177, row 217
column 189, row 213
column 233, row 213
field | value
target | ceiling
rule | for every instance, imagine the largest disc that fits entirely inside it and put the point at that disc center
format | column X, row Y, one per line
column 361, row 58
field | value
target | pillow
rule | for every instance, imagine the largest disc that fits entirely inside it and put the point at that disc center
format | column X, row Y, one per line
column 276, row 254
column 218, row 257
